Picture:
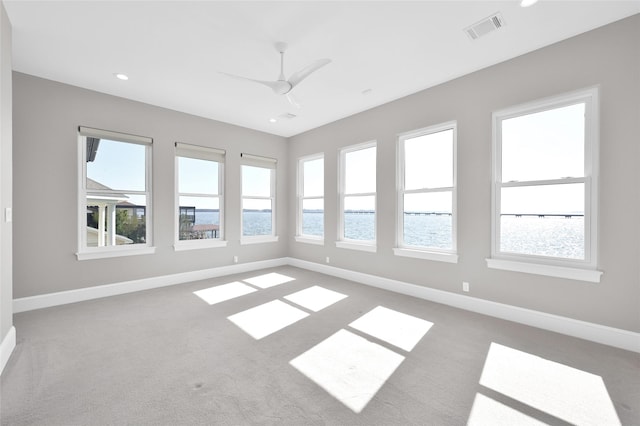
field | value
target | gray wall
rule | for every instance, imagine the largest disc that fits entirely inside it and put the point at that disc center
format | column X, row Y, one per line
column 6, row 269
column 46, row 118
column 609, row 57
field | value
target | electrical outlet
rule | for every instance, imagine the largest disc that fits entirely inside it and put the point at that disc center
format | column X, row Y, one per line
column 465, row 286
column 235, row 259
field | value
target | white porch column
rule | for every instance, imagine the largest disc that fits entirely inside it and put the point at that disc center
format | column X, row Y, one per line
column 101, row 220
column 111, row 227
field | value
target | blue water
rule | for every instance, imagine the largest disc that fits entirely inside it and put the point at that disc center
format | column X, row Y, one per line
column 253, row 223
column 548, row 236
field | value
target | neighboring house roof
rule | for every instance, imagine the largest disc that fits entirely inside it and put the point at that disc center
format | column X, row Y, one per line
column 93, row 185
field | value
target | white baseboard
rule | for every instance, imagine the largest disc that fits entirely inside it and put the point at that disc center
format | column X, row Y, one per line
column 6, row 347
column 24, row 304
column 616, row 337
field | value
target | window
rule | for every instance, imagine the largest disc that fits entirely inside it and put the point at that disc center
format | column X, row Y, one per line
column 358, row 197
column 427, row 193
column 311, row 199
column 114, row 194
column 199, row 196
column 545, row 187
column 258, row 199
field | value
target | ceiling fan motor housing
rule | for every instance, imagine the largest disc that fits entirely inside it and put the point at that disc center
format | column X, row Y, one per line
column 282, row 87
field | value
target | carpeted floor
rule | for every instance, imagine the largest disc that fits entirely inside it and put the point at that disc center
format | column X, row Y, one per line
column 169, row 357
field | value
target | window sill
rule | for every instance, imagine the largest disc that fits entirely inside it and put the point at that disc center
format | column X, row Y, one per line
column 118, row 252
column 590, row 275
column 356, row 246
column 198, row 244
column 427, row 255
column 259, row 239
column 309, row 240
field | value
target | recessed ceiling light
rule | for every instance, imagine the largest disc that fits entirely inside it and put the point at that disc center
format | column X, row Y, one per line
column 272, row 120
column 121, row 76
column 527, row 3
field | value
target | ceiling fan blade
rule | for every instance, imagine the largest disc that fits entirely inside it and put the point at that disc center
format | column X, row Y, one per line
column 297, row 77
column 293, row 101
column 269, row 84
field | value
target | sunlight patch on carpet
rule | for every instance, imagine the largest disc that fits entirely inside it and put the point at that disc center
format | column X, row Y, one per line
column 349, row 367
column 487, row 411
column 567, row 393
column 224, row 292
column 266, row 319
column 268, row 280
column 401, row 330
column 315, row 298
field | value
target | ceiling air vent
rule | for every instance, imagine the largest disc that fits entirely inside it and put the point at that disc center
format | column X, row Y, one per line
column 484, row 27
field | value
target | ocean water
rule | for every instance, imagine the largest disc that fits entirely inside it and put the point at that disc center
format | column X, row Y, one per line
column 253, row 223
column 548, row 236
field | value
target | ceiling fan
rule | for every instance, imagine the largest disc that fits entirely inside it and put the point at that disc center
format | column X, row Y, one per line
column 283, row 86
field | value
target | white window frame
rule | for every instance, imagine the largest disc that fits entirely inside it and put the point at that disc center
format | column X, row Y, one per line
column 300, row 236
column 582, row 270
column 267, row 163
column 199, row 153
column 85, row 252
column 347, row 243
column 419, row 252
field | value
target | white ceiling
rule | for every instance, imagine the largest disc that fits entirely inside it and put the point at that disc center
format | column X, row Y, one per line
column 173, row 50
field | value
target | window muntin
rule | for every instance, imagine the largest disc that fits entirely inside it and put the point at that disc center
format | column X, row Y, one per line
column 258, row 197
column 199, row 196
column 427, row 191
column 311, row 197
column 358, row 194
column 545, row 176
column 114, row 191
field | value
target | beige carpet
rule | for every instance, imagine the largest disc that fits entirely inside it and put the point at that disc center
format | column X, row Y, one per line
column 289, row 346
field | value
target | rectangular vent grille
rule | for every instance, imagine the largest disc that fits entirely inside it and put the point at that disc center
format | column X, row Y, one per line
column 484, row 27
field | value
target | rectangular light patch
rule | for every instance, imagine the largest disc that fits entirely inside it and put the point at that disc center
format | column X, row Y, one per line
column 224, row 292
column 573, row 395
column 315, row 298
column 349, row 367
column 268, row 280
column 268, row 318
column 396, row 328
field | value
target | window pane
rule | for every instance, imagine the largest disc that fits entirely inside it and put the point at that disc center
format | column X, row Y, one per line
column 428, row 220
column 543, row 220
column 313, row 217
column 429, row 161
column 544, row 145
column 127, row 213
column 117, row 165
column 256, row 181
column 313, row 178
column 199, row 218
column 360, row 173
column 197, row 176
column 543, row 199
column 256, row 217
column 360, row 218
